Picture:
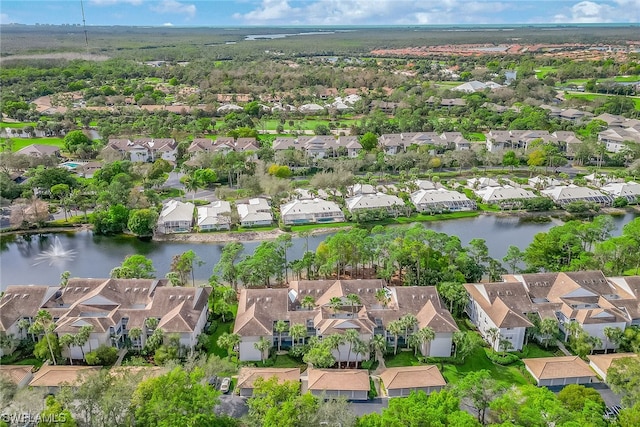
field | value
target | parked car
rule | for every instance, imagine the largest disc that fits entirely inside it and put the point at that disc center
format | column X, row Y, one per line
column 226, row 383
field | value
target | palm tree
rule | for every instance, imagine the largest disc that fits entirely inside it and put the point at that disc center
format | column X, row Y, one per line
column 23, row 327
column 351, row 336
column 426, row 335
column 335, row 341
column 228, row 341
column 614, row 336
column 383, row 297
column 308, row 302
column 134, row 335
column 548, row 329
column 354, row 300
column 377, row 344
column 395, row 328
column 335, row 303
column 43, row 324
column 263, row 345
column 151, row 323
column 573, row 329
column 493, row 334
column 84, row 335
column 64, row 279
column 415, row 341
column 505, row 345
column 297, row 332
column 68, row 340
column 361, row 348
column 280, row 327
column 408, row 322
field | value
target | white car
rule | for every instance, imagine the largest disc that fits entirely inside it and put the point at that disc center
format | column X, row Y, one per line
column 224, row 386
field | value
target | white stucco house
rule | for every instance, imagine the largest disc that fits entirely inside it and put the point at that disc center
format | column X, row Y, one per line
column 175, row 217
column 255, row 212
column 214, row 216
column 305, row 211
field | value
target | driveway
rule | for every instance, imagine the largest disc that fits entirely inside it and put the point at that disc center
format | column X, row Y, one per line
column 231, row 405
column 369, row 407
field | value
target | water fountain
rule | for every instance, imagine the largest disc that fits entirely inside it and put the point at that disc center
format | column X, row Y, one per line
column 56, row 254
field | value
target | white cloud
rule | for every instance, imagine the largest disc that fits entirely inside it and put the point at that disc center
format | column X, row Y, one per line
column 4, row 19
column 174, row 7
column 167, row 24
column 589, row 12
column 354, row 12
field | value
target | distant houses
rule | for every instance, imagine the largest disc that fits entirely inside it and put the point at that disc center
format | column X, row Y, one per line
column 144, row 149
column 565, row 194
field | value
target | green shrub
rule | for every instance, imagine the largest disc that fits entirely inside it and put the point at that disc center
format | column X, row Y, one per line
column 373, row 393
column 502, row 358
column 103, row 355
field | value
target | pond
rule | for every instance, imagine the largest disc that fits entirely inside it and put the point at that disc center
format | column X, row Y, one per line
column 32, row 259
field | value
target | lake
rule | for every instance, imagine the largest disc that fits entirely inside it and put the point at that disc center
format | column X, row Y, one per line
column 22, row 260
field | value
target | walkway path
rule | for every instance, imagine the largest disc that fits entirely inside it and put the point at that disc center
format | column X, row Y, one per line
column 121, row 354
column 563, row 348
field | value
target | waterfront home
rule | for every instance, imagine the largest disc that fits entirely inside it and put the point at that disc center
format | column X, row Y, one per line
column 255, row 212
column 214, row 216
column 175, row 217
column 506, row 197
column 393, row 205
column 305, row 211
column 441, row 200
column 565, row 194
column 627, row 190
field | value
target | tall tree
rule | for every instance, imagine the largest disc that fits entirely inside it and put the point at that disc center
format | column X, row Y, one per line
column 226, row 267
column 280, row 327
column 44, row 324
column 263, row 345
column 479, row 389
column 176, row 398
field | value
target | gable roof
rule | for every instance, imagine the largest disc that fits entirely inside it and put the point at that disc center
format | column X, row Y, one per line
column 16, row 373
column 546, row 368
column 603, row 361
column 247, row 376
column 412, row 377
column 343, row 379
column 56, row 376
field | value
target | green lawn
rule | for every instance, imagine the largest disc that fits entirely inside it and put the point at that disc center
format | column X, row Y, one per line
column 307, row 227
column 403, row 358
column 31, row 361
column 212, row 345
column 541, row 72
column 18, row 143
column 17, row 125
column 478, row 360
column 593, row 96
column 249, row 229
column 284, row 361
column 421, row 217
column 476, row 136
column 533, row 350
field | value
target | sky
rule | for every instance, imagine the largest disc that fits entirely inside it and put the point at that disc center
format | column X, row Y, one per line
column 234, row 13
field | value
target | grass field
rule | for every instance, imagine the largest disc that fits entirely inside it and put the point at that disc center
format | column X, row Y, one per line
column 477, row 361
column 403, row 358
column 16, row 125
column 212, row 344
column 18, row 143
column 593, row 96
column 542, row 72
column 308, row 227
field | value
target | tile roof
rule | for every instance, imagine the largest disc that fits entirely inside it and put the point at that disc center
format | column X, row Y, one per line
column 247, row 376
column 604, row 361
column 334, row 379
column 16, row 373
column 56, row 376
column 412, row 377
column 545, row 368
